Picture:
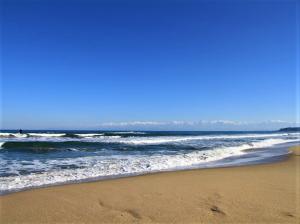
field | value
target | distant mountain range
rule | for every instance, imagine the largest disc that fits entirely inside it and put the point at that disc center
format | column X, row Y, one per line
column 290, row 129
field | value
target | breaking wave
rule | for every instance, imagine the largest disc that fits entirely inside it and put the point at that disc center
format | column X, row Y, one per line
column 40, row 159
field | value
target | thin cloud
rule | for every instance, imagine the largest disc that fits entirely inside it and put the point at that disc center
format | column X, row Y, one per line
column 198, row 125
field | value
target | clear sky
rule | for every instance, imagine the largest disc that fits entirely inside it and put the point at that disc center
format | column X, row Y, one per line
column 87, row 63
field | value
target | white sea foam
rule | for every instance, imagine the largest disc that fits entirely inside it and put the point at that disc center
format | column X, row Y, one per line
column 46, row 134
column 115, row 165
column 16, row 135
column 174, row 139
column 145, row 140
column 1, row 143
column 21, row 135
column 135, row 140
column 2, row 134
column 89, row 135
column 128, row 132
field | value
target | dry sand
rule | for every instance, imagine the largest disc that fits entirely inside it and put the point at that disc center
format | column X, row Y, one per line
column 266, row 193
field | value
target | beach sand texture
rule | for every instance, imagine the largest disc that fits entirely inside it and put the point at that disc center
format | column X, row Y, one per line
column 268, row 193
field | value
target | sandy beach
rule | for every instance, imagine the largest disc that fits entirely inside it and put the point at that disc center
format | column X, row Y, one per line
column 267, row 193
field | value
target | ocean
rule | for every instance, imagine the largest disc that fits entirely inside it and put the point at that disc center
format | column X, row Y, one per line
column 43, row 158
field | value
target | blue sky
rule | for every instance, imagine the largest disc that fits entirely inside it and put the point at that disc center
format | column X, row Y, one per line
column 87, row 64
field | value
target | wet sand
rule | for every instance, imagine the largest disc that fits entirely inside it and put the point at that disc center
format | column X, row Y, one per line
column 267, row 193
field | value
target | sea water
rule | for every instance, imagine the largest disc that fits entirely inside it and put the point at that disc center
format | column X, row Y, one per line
column 42, row 158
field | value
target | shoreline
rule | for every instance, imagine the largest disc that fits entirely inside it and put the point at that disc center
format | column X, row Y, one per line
column 210, row 165
column 265, row 193
column 278, row 159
